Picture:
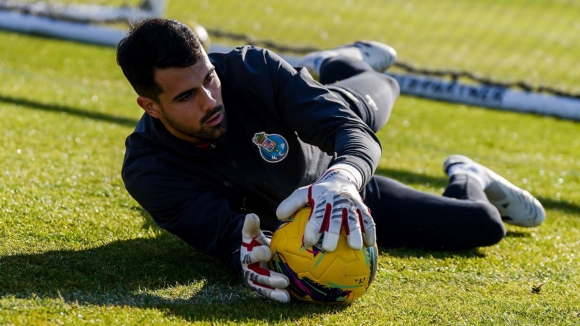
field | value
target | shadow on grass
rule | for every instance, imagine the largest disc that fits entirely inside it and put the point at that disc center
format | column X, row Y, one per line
column 161, row 273
column 561, row 205
column 407, row 177
column 431, row 254
column 128, row 122
column 143, row 273
column 517, row 234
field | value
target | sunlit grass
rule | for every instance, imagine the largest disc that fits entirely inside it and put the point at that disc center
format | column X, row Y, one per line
column 76, row 249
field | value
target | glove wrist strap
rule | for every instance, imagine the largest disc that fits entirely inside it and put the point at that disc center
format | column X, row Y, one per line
column 354, row 175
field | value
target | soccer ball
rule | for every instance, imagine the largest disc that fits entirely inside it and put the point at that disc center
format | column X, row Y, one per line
column 341, row 276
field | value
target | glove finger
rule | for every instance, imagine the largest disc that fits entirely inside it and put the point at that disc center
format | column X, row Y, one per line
column 261, row 254
column 251, row 228
column 280, row 295
column 293, row 203
column 354, row 238
column 263, row 239
column 274, row 280
column 368, row 227
column 254, row 254
column 311, row 233
column 330, row 241
column 332, row 233
column 370, row 236
column 317, row 223
column 277, row 280
column 366, row 222
column 266, row 277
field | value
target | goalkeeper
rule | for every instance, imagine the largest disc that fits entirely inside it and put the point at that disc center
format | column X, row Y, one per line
column 231, row 142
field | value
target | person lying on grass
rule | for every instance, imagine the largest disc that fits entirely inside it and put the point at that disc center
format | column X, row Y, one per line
column 232, row 142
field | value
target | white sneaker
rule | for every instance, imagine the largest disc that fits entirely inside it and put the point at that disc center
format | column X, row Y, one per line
column 515, row 205
column 378, row 55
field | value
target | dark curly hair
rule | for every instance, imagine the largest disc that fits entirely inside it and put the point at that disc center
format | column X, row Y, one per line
column 155, row 44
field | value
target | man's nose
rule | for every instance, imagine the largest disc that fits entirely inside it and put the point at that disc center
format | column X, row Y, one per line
column 208, row 101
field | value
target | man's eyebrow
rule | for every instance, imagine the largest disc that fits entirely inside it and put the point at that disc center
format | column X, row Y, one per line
column 189, row 91
column 182, row 94
column 209, row 72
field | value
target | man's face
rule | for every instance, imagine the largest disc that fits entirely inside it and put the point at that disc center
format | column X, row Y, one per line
column 190, row 106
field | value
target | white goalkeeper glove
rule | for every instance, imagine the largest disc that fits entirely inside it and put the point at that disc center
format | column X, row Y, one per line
column 335, row 204
column 254, row 256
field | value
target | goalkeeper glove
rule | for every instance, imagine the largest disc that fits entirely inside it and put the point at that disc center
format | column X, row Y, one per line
column 336, row 204
column 254, row 256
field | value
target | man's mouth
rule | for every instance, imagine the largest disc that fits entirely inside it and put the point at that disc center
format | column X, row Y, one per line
column 215, row 117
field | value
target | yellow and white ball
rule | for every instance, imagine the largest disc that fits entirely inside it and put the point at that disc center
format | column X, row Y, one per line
column 341, row 276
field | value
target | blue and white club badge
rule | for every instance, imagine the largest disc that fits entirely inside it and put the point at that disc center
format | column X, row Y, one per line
column 273, row 147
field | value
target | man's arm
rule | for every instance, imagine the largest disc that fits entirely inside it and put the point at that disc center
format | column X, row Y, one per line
column 180, row 205
column 321, row 118
column 301, row 105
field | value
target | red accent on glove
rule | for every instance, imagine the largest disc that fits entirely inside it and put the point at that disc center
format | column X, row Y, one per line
column 326, row 219
column 255, row 267
column 263, row 285
column 360, row 220
column 344, row 225
column 310, row 200
column 251, row 245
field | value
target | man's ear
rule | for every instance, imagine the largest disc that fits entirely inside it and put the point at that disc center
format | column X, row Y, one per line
column 150, row 106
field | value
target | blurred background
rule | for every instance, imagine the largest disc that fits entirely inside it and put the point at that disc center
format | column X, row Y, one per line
column 525, row 44
column 532, row 44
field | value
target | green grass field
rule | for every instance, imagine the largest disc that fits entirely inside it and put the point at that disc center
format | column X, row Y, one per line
column 76, row 249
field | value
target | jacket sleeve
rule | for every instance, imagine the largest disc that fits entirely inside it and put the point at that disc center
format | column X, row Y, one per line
column 180, row 206
column 321, row 118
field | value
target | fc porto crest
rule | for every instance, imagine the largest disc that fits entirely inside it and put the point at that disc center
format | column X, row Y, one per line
column 273, row 147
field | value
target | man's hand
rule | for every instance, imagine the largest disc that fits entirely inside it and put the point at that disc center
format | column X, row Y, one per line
column 254, row 256
column 335, row 204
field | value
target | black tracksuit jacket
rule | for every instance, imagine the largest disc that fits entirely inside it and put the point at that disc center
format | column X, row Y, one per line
column 284, row 130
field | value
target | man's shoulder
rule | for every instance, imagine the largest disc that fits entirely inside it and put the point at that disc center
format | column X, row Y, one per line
column 143, row 146
column 149, row 160
column 143, row 135
column 249, row 67
column 244, row 57
column 237, row 52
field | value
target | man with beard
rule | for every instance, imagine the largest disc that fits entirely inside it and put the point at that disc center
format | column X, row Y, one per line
column 232, row 142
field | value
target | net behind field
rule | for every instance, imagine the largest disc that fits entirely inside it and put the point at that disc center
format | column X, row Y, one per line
column 530, row 45
column 533, row 43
